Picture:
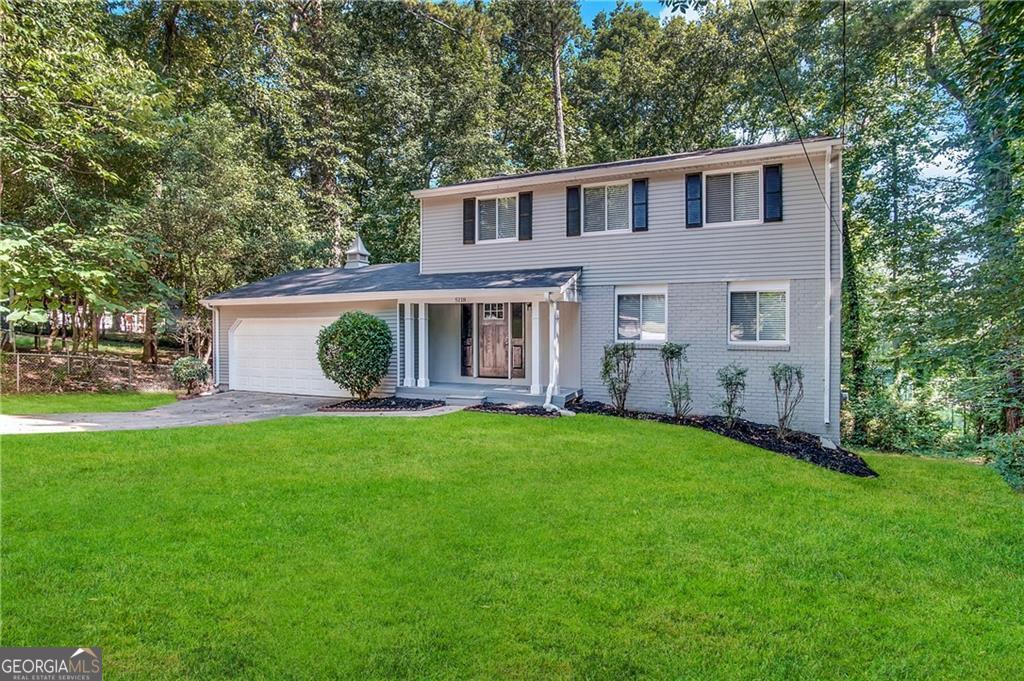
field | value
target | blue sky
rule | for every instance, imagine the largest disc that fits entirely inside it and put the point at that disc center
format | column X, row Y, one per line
column 590, row 8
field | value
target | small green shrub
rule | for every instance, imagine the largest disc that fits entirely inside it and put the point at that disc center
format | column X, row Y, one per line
column 789, row 391
column 355, row 351
column 673, row 356
column 616, row 369
column 190, row 372
column 733, row 380
column 1007, row 454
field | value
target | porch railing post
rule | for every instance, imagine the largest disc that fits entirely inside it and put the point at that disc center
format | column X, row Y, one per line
column 553, row 350
column 535, row 387
column 409, row 347
column 423, row 381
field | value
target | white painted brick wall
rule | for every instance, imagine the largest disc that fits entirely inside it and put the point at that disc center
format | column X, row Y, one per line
column 697, row 315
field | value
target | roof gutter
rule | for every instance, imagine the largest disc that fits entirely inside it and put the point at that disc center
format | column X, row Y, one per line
column 585, row 174
column 565, row 292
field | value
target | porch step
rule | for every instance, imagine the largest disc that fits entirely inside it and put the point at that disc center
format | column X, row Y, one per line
column 464, row 400
column 468, row 395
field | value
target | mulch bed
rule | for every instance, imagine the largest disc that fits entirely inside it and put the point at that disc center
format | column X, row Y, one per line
column 798, row 445
column 383, row 404
column 525, row 410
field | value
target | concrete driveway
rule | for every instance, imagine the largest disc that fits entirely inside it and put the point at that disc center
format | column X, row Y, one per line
column 219, row 409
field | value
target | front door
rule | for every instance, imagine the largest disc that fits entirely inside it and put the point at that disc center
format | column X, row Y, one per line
column 493, row 340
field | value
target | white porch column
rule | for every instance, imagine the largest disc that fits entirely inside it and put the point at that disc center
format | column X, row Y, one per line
column 423, row 381
column 535, row 348
column 553, row 350
column 409, row 348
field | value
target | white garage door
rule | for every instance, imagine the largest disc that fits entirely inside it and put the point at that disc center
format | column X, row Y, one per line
column 278, row 356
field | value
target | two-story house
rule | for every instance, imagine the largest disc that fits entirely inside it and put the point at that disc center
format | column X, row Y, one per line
column 524, row 279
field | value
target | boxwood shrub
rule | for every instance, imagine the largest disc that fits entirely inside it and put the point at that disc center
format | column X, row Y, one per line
column 354, row 352
column 190, row 372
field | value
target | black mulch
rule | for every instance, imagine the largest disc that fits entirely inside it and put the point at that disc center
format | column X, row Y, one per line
column 798, row 445
column 383, row 404
column 525, row 410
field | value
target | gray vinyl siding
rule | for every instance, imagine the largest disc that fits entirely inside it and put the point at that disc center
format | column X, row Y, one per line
column 791, row 249
column 697, row 315
column 229, row 314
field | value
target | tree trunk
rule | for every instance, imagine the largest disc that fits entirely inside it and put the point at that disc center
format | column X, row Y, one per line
column 1012, row 417
column 556, row 95
column 54, row 327
column 149, row 349
column 76, row 334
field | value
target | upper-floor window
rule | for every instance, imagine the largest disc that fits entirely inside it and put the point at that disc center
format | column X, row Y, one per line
column 759, row 313
column 640, row 313
column 606, row 207
column 732, row 197
column 496, row 218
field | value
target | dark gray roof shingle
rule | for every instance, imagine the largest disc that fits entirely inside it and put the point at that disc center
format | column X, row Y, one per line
column 394, row 277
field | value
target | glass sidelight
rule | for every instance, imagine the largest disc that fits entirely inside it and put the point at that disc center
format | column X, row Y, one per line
column 517, row 360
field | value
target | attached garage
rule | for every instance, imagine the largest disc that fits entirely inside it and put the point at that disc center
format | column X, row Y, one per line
column 278, row 355
column 272, row 347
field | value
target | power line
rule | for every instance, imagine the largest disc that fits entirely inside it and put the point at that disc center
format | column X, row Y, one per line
column 793, row 117
column 843, row 120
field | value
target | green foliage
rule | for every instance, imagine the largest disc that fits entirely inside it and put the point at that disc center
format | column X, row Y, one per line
column 788, row 381
column 733, row 381
column 354, row 352
column 889, row 423
column 1007, row 454
column 190, row 372
column 677, row 377
column 617, row 370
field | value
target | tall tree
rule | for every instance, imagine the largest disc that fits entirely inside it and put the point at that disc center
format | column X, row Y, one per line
column 538, row 37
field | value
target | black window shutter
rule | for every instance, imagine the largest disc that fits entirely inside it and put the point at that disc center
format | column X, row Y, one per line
column 525, row 216
column 572, row 211
column 468, row 221
column 694, row 209
column 640, row 205
column 773, row 193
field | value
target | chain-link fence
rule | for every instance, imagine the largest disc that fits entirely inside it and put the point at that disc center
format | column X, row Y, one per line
column 65, row 372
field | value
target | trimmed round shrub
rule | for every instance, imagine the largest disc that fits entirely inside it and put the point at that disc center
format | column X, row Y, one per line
column 190, row 373
column 354, row 352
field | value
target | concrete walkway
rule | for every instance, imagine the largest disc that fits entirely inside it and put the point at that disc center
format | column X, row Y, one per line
column 212, row 410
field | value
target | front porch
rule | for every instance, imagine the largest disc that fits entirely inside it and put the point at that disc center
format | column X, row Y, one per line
column 500, row 347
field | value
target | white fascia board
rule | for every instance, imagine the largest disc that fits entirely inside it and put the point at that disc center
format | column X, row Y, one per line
column 431, row 296
column 593, row 174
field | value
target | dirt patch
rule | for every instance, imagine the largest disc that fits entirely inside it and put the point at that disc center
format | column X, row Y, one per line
column 798, row 445
column 525, row 410
column 383, row 404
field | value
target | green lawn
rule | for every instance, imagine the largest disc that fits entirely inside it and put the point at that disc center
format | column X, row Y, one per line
column 490, row 546
column 65, row 403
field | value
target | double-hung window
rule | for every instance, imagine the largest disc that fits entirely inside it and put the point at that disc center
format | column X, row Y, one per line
column 496, row 218
column 732, row 197
column 606, row 208
column 640, row 313
column 759, row 313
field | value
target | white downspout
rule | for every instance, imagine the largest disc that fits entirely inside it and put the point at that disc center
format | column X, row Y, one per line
column 828, row 284
column 216, row 346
